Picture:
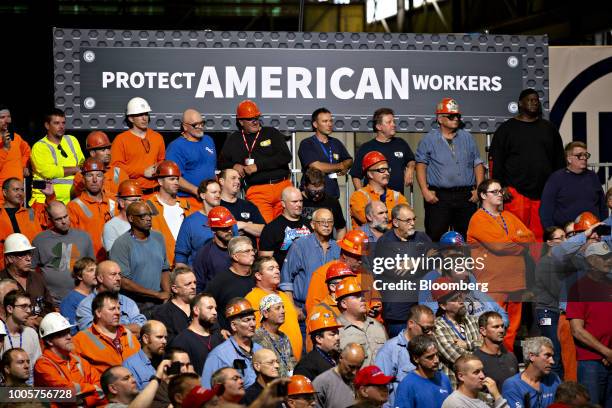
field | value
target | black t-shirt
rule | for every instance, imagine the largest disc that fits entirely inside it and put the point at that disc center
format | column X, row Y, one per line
column 197, row 346
column 172, row 317
column 525, row 154
column 500, row 367
column 331, row 203
column 246, row 211
column 225, row 286
column 11, row 214
column 279, row 234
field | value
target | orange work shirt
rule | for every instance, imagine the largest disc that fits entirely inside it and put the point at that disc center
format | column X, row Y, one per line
column 15, row 159
column 361, row 198
column 501, row 251
column 158, row 222
column 135, row 154
column 113, row 176
column 90, row 216
column 76, row 373
column 291, row 326
column 99, row 350
column 30, row 221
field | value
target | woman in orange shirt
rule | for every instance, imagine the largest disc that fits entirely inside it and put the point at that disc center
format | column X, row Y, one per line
column 500, row 241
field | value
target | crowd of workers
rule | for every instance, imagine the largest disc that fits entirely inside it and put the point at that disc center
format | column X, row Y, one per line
column 137, row 275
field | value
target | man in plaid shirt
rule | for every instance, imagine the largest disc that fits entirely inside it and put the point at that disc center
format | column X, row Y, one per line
column 456, row 332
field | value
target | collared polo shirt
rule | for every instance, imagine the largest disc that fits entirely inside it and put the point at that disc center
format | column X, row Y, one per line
column 141, row 368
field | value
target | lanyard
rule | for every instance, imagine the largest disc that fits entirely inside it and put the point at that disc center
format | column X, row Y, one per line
column 495, row 218
column 246, row 145
column 8, row 334
column 279, row 352
column 326, row 357
column 328, row 153
column 457, row 332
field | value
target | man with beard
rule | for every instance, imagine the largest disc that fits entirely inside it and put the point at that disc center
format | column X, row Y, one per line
column 249, row 220
column 108, row 277
column 323, row 331
column 315, row 197
column 498, row 363
column 202, row 335
column 141, row 254
column 456, row 332
column 472, row 381
column 153, row 339
column 325, row 153
column 537, row 384
column 213, row 256
column 266, row 365
column 237, row 351
column 175, row 314
column 377, row 220
column 335, row 386
column 59, row 367
column 92, row 209
column 195, row 154
column 168, row 210
column 426, row 386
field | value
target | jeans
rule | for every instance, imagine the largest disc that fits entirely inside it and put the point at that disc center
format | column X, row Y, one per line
column 550, row 331
column 597, row 378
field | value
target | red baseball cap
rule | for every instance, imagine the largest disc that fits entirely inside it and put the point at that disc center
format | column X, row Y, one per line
column 443, row 292
column 198, row 396
column 372, row 375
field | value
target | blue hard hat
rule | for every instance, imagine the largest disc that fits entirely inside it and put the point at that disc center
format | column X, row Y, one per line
column 452, row 238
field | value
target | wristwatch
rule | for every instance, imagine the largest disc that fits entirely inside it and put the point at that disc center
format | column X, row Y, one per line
column 154, row 377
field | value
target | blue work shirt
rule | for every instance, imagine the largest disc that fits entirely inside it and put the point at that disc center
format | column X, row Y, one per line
column 192, row 236
column 476, row 302
column 197, row 160
column 449, row 165
column 312, row 150
column 141, row 368
column 223, row 356
column 418, row 392
column 393, row 359
column 515, row 389
column 305, row 256
column 128, row 309
column 68, row 308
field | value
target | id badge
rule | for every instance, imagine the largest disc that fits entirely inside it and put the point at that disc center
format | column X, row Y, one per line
column 248, row 161
column 333, row 175
column 546, row 321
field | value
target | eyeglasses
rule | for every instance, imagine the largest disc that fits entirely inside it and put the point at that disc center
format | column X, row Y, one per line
column 496, row 192
column 452, row 116
column 424, row 329
column 62, row 151
column 271, row 362
column 324, row 222
column 24, row 306
column 143, row 216
column 382, row 170
column 21, row 255
column 197, row 124
column 146, row 144
column 582, row 156
column 413, row 219
column 252, row 120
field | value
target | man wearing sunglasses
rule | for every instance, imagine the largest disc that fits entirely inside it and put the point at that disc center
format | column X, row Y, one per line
column 260, row 155
column 56, row 157
column 449, row 169
column 572, row 190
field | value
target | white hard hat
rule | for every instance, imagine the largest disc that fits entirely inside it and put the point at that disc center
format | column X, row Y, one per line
column 53, row 323
column 137, row 106
column 17, row 243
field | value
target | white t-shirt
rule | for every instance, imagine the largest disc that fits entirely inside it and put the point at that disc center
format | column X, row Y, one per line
column 173, row 214
column 113, row 229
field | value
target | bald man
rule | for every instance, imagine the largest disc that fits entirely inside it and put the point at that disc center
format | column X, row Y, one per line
column 279, row 234
column 153, row 340
column 335, row 386
column 195, row 154
column 108, row 277
column 307, row 255
column 141, row 255
column 266, row 365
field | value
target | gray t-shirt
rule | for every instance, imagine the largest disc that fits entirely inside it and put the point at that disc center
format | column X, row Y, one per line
column 141, row 260
column 113, row 229
column 332, row 391
column 459, row 400
column 56, row 254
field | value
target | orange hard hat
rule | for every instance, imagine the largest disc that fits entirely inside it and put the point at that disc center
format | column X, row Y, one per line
column 167, row 168
column 239, row 308
column 97, row 140
column 585, row 221
column 321, row 320
column 355, row 242
column 92, row 164
column 338, row 269
column 300, row 385
column 371, row 158
column 220, row 217
column 129, row 188
column 447, row 105
column 348, row 286
column 247, row 109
